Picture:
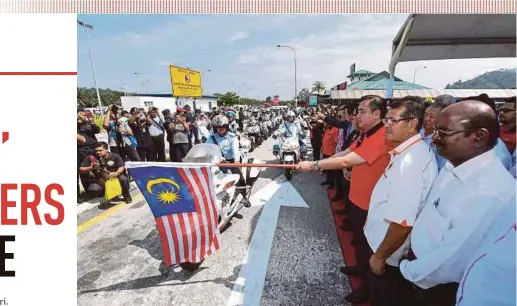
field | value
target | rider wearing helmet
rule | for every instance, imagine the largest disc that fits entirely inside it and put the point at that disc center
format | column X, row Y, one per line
column 291, row 128
column 225, row 139
column 232, row 124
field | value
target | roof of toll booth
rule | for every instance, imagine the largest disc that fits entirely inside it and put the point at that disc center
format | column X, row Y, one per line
column 455, row 36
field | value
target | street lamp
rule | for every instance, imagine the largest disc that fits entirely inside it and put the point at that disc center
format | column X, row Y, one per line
column 87, row 28
column 295, row 83
column 414, row 74
column 142, row 83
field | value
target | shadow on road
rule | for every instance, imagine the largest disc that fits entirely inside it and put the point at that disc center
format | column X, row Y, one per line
column 151, row 243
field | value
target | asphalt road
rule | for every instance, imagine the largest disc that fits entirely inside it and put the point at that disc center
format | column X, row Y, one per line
column 119, row 254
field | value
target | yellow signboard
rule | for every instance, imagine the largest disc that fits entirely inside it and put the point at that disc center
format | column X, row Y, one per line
column 185, row 82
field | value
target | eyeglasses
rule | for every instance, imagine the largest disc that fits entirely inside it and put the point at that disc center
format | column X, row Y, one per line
column 443, row 133
column 506, row 110
column 393, row 120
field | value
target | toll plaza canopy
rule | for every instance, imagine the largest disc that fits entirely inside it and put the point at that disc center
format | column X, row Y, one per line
column 439, row 37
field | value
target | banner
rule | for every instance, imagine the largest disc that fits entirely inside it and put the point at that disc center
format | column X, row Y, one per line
column 313, row 100
column 185, row 82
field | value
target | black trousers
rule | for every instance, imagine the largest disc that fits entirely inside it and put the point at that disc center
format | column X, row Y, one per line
column 82, row 153
column 390, row 289
column 316, row 150
column 441, row 295
column 95, row 189
column 145, row 153
column 339, row 181
column 158, row 148
column 330, row 174
column 362, row 249
column 178, row 151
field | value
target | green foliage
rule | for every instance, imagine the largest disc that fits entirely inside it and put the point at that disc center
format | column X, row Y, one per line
column 497, row 79
column 229, row 98
column 87, row 97
column 318, row 87
column 304, row 94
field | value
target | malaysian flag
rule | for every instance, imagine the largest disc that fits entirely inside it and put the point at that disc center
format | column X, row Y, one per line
column 183, row 201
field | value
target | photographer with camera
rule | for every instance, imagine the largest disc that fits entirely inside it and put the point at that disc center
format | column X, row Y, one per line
column 179, row 130
column 157, row 132
column 86, row 140
column 102, row 167
column 120, row 135
column 139, row 123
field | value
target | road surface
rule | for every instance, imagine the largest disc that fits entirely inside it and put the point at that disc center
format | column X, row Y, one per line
column 119, row 254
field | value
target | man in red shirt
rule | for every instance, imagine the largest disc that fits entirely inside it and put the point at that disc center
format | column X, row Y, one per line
column 369, row 157
column 507, row 121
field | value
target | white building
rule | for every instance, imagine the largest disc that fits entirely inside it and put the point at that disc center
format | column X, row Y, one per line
column 167, row 101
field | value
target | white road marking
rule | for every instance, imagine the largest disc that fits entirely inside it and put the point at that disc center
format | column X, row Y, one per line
column 249, row 285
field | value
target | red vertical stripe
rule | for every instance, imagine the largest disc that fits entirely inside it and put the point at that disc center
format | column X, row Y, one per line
column 184, row 235
column 209, row 204
column 195, row 245
column 185, row 179
column 167, row 257
column 175, row 239
column 211, row 226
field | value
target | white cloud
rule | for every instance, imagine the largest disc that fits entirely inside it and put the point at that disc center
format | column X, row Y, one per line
column 238, row 36
column 326, row 46
column 364, row 40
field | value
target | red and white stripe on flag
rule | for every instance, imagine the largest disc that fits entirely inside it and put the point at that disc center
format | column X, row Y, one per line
column 190, row 237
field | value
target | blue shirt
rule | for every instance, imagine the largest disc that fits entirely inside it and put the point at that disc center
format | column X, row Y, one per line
column 229, row 144
column 440, row 160
column 504, row 155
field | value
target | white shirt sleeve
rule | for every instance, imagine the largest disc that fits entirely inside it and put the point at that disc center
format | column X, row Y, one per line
column 405, row 203
column 448, row 261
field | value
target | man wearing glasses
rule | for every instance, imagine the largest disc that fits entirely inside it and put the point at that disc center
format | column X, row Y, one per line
column 396, row 201
column 463, row 203
column 368, row 156
column 507, row 120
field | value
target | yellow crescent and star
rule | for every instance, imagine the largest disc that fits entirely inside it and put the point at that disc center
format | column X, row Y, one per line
column 168, row 196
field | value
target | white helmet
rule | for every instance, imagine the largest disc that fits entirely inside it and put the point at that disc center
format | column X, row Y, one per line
column 290, row 114
column 220, row 121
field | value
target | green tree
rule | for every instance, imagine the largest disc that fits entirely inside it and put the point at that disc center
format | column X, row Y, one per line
column 228, row 99
column 87, row 97
column 304, row 94
column 318, row 87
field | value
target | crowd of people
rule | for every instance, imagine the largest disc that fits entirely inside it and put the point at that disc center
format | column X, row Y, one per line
column 428, row 188
column 429, row 191
column 140, row 135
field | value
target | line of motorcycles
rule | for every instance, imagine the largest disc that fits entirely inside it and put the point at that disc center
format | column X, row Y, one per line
column 258, row 130
column 233, row 187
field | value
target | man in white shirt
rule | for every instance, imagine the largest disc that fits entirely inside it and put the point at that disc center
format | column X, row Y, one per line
column 490, row 275
column 464, row 200
column 396, row 201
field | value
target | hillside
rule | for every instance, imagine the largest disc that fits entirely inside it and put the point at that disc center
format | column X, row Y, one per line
column 497, row 79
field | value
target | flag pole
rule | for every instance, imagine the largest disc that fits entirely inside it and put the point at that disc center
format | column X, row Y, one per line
column 282, row 166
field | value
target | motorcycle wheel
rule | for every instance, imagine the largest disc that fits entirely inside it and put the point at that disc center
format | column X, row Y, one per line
column 190, row 267
column 288, row 173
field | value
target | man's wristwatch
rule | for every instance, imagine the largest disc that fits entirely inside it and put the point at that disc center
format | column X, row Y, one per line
column 316, row 165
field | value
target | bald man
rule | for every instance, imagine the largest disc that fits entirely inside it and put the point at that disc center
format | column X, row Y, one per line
column 472, row 188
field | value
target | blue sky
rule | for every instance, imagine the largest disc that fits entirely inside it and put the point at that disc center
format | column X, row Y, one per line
column 240, row 49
